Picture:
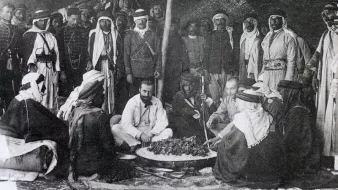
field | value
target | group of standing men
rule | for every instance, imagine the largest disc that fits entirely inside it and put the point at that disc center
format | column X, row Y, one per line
column 127, row 51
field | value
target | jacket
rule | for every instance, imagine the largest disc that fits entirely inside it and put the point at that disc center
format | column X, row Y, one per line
column 142, row 63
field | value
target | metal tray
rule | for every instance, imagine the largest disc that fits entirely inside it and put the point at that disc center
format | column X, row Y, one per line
column 175, row 162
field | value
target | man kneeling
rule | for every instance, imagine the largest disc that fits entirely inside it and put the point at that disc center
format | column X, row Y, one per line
column 143, row 119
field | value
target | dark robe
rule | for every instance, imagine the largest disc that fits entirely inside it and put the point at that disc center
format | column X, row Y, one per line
column 26, row 49
column 301, row 141
column 91, row 141
column 177, row 62
column 36, row 124
column 182, row 122
column 261, row 166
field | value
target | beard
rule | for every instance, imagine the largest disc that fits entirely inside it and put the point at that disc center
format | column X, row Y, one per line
column 145, row 99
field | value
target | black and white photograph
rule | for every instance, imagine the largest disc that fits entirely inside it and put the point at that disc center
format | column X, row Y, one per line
column 168, row 94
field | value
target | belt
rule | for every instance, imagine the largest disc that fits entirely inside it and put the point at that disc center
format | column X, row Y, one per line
column 104, row 57
column 44, row 58
column 275, row 64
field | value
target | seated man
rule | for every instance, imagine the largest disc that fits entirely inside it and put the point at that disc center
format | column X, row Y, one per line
column 249, row 153
column 226, row 110
column 143, row 119
column 187, row 112
column 91, row 141
column 297, row 126
column 28, row 121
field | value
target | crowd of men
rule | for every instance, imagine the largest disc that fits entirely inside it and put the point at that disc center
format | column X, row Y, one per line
column 250, row 93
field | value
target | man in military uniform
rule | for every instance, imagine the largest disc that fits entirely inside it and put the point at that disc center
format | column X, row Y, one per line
column 9, row 63
column 72, row 42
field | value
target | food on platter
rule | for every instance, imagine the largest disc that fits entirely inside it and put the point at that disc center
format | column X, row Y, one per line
column 178, row 147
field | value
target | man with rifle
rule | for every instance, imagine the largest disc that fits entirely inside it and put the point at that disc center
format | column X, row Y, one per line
column 191, row 108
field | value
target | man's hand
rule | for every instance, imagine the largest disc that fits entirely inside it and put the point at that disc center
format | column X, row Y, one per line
column 315, row 84
column 130, row 78
column 145, row 137
column 214, row 141
column 211, row 122
column 203, row 96
column 89, row 66
column 157, row 75
column 63, row 77
column 197, row 115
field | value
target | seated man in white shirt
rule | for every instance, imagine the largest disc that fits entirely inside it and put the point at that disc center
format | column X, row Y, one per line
column 143, row 119
column 227, row 109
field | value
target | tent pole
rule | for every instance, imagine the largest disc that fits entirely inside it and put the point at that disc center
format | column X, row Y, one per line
column 165, row 47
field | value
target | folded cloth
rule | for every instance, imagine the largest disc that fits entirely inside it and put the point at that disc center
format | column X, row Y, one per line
column 12, row 147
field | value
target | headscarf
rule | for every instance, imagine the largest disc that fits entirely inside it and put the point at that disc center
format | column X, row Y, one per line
column 192, row 80
column 91, row 81
column 99, row 38
column 139, row 14
column 32, row 84
column 228, row 28
column 254, row 122
column 41, row 14
column 330, row 16
column 249, row 37
column 292, row 94
column 281, row 13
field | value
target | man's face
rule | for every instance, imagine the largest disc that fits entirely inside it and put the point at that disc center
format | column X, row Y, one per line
column 249, row 24
column 220, row 23
column 204, row 29
column 20, row 14
column 127, row 4
column 57, row 23
column 73, row 20
column 6, row 13
column 146, row 92
column 105, row 25
column 231, row 88
column 192, row 29
column 189, row 88
column 41, row 24
column 276, row 22
column 158, row 12
column 120, row 22
column 141, row 23
column 85, row 15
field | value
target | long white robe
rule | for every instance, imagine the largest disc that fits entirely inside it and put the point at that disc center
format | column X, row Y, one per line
column 328, row 52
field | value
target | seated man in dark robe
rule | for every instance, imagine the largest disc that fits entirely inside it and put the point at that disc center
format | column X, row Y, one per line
column 91, row 140
column 297, row 126
column 249, row 153
column 26, row 118
column 186, row 119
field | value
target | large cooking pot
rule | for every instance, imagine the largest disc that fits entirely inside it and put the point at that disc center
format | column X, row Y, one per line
column 176, row 162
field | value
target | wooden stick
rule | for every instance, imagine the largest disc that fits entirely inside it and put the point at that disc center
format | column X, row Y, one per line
column 165, row 47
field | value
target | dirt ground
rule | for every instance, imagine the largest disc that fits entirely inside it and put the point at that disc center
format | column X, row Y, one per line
column 204, row 180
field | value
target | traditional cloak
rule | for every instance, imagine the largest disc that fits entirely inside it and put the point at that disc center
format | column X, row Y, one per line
column 280, row 54
column 250, row 51
column 325, row 59
column 250, row 153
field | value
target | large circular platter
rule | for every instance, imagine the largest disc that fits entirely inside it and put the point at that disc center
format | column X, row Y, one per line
column 176, row 162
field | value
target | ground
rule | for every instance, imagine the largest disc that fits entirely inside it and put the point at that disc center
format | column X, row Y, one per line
column 144, row 181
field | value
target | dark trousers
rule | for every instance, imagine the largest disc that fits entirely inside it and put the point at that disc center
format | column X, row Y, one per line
column 122, row 95
column 134, row 88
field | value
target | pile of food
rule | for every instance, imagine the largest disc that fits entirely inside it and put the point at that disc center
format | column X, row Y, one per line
column 187, row 146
